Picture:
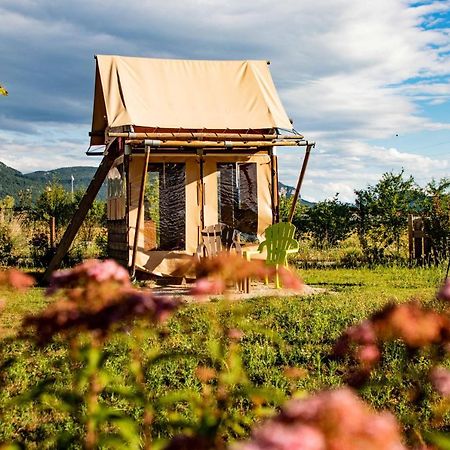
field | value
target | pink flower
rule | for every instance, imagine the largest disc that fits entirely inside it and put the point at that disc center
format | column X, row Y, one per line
column 235, row 334
column 108, row 270
column 70, row 317
column 287, row 437
column 444, row 292
column 329, row 420
column 290, row 280
column 205, row 286
column 90, row 272
column 440, row 380
column 16, row 279
column 362, row 333
column 368, row 355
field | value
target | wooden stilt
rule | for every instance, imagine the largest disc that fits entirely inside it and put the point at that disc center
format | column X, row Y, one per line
column 139, row 212
column 300, row 181
column 274, row 185
column 83, row 208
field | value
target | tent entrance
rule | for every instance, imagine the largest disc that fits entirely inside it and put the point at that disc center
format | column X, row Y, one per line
column 237, row 194
column 165, row 207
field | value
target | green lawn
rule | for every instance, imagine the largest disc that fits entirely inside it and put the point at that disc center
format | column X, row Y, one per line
column 279, row 333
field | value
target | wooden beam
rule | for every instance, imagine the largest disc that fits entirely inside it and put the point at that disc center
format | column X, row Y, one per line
column 300, row 181
column 205, row 136
column 83, row 208
column 139, row 211
column 154, row 143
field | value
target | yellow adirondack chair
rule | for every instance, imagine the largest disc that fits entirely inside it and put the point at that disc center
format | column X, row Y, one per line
column 279, row 243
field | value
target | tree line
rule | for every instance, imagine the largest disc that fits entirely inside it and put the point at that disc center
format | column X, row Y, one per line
column 379, row 218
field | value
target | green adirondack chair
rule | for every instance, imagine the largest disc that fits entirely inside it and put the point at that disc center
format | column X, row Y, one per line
column 279, row 243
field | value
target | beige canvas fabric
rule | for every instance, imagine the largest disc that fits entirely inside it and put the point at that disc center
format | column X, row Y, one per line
column 187, row 94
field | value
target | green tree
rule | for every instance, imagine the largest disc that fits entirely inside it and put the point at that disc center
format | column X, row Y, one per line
column 95, row 218
column 54, row 201
column 285, row 208
column 328, row 222
column 435, row 209
column 6, row 208
column 382, row 214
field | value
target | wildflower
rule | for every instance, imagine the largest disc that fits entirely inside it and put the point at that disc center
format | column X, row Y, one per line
column 355, row 336
column 289, row 280
column 235, row 334
column 368, row 355
column 98, row 278
column 440, row 380
column 414, row 325
column 444, row 292
column 360, row 343
column 205, row 286
column 329, row 420
column 68, row 316
column 214, row 274
column 205, row 374
column 16, row 279
column 294, row 373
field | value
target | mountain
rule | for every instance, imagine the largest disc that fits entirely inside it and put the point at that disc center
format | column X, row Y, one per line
column 12, row 182
column 289, row 191
column 82, row 176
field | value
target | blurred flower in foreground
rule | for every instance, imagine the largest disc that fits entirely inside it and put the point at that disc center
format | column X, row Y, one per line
column 410, row 322
column 415, row 325
column 93, row 279
column 67, row 316
column 95, row 297
column 216, row 273
column 16, row 279
column 329, row 420
column 204, row 286
column 444, row 292
column 440, row 380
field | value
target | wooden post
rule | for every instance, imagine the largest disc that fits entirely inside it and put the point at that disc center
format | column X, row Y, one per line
column 274, row 183
column 410, row 238
column 202, row 189
column 139, row 211
column 300, row 181
column 83, row 208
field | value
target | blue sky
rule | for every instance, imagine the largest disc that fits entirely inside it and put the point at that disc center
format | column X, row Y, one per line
column 368, row 81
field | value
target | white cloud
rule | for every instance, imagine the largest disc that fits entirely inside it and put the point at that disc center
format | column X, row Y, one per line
column 345, row 166
column 348, row 72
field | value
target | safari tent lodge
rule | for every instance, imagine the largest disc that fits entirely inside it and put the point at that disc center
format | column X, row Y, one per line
column 188, row 144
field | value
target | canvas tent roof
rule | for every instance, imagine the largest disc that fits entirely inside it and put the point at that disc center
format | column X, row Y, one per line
column 195, row 95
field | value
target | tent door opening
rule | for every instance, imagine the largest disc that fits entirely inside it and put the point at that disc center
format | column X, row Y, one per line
column 165, row 207
column 238, row 197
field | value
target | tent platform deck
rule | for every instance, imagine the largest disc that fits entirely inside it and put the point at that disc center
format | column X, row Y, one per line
column 258, row 289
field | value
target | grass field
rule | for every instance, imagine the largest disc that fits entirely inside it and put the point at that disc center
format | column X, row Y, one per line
column 278, row 333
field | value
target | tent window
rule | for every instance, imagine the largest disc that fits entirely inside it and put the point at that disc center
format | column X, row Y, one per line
column 165, row 207
column 238, row 198
column 116, row 194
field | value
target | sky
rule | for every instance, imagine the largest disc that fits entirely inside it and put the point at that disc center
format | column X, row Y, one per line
column 369, row 82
